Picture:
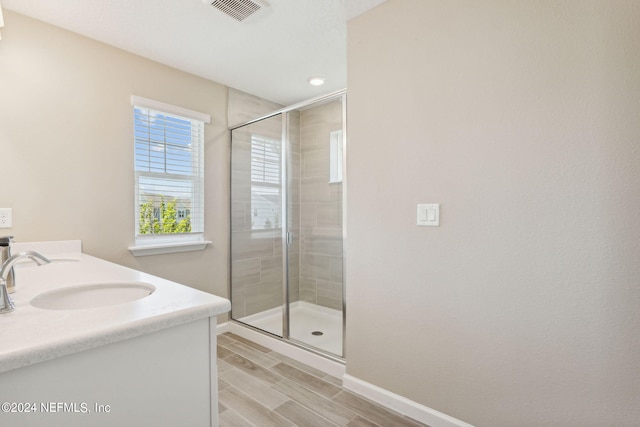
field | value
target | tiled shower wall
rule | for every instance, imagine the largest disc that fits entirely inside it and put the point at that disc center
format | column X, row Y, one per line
column 320, row 209
column 315, row 213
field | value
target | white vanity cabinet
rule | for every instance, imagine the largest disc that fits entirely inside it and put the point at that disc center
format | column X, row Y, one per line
column 165, row 378
column 148, row 362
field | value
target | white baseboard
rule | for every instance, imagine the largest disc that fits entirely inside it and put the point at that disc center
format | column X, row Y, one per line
column 400, row 404
column 369, row 391
column 221, row 328
column 307, row 357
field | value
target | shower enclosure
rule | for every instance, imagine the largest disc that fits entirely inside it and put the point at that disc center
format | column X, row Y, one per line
column 287, row 216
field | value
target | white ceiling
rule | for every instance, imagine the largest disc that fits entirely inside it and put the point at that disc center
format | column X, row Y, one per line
column 270, row 54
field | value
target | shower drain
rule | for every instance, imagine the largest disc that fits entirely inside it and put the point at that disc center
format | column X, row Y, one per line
column 317, row 333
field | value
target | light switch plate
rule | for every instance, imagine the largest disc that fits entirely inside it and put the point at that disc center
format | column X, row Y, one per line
column 429, row 215
column 6, row 220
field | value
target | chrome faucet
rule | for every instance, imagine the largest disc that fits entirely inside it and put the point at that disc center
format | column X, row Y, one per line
column 6, row 303
column 5, row 253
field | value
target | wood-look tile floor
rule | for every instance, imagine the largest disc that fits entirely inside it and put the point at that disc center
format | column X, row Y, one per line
column 259, row 387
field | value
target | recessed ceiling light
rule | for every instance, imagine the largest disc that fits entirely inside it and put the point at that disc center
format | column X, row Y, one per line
column 316, row 80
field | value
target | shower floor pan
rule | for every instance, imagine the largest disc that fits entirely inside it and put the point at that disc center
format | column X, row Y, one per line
column 314, row 325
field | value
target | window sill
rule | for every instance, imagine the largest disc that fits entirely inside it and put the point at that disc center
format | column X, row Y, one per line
column 168, row 248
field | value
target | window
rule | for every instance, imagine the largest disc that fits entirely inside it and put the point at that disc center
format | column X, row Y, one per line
column 265, row 183
column 169, row 173
column 335, row 156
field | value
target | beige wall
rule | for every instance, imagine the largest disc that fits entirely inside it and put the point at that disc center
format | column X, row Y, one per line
column 522, row 120
column 66, row 147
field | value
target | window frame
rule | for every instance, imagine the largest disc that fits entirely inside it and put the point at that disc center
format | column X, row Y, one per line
column 152, row 244
column 266, row 183
column 336, row 149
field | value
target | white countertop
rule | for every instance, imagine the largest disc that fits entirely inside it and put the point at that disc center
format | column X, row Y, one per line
column 30, row 335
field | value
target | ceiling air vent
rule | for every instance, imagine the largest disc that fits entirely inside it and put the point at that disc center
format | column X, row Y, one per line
column 238, row 9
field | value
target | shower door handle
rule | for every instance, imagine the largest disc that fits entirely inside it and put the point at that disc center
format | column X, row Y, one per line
column 289, row 238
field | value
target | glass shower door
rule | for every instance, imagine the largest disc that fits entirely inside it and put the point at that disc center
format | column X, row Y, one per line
column 256, row 224
column 315, row 221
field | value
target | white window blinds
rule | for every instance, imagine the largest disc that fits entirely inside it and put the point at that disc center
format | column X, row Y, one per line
column 265, row 183
column 169, row 169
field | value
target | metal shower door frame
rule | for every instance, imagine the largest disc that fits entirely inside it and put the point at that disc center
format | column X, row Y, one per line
column 286, row 232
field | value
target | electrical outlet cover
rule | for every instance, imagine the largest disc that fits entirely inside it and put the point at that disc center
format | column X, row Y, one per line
column 6, row 220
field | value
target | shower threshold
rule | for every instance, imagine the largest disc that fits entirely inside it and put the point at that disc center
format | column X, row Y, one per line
column 311, row 324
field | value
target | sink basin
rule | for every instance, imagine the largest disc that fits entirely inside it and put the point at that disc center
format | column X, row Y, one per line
column 92, row 295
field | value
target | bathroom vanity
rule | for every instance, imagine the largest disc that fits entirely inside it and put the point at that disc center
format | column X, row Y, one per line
column 81, row 349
